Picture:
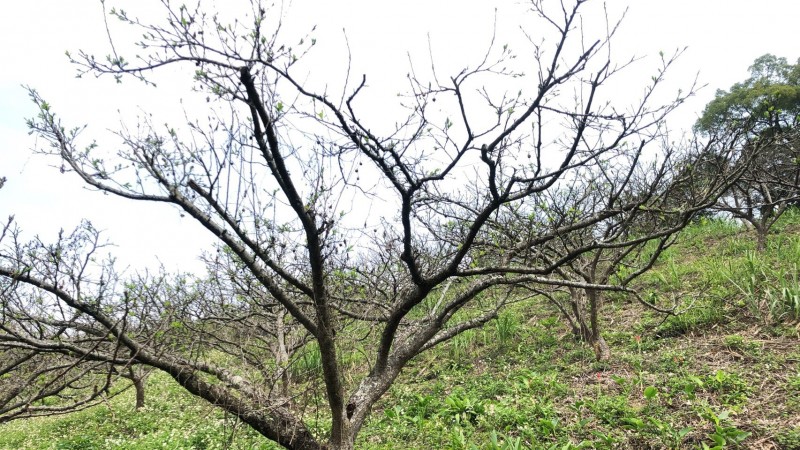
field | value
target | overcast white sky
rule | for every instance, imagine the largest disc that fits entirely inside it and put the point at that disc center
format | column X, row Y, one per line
column 723, row 38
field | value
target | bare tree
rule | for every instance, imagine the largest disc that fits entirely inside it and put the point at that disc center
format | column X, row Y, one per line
column 52, row 350
column 651, row 203
column 236, row 315
column 372, row 246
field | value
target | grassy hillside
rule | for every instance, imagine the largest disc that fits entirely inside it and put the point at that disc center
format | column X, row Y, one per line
column 724, row 374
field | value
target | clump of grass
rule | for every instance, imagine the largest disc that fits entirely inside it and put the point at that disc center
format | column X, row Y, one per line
column 506, row 326
column 308, row 363
column 788, row 439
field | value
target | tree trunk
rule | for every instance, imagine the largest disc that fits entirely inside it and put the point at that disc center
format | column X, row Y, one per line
column 138, row 384
column 282, row 353
column 579, row 327
column 346, row 444
column 761, row 238
column 601, row 350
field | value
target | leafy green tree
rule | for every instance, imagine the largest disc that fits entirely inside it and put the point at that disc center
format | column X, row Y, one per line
column 766, row 103
column 761, row 116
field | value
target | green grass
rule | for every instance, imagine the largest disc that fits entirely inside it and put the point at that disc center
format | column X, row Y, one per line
column 724, row 374
column 172, row 419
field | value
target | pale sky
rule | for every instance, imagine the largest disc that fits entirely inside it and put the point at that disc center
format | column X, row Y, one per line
column 723, row 38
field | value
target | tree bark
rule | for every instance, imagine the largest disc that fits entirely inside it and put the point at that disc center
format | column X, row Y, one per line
column 138, row 384
column 282, row 352
column 579, row 327
column 761, row 238
column 601, row 350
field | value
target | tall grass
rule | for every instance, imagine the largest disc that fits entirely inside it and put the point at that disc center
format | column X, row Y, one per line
column 769, row 290
column 506, row 326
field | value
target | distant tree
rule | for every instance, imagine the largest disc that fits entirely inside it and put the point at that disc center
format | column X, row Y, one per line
column 51, row 351
column 761, row 115
column 656, row 200
column 233, row 307
column 283, row 177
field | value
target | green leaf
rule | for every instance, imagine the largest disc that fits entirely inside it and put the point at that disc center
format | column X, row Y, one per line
column 633, row 422
column 650, row 392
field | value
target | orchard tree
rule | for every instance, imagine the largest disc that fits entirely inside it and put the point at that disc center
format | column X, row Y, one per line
column 52, row 351
column 655, row 201
column 369, row 244
column 233, row 307
column 761, row 115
